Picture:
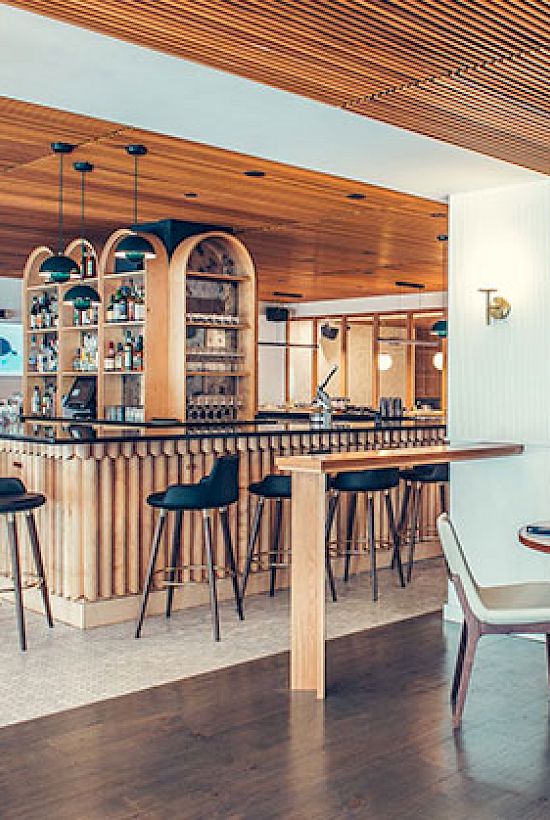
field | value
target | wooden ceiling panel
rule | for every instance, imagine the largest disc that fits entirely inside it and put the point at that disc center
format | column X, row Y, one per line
column 305, row 234
column 474, row 74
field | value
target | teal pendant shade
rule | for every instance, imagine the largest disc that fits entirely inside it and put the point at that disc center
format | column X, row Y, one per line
column 439, row 328
column 134, row 248
column 58, row 268
column 81, row 297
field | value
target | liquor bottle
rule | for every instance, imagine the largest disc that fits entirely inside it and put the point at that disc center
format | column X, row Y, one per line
column 119, row 355
column 34, row 313
column 110, row 312
column 122, row 301
column 128, row 352
column 88, row 267
column 109, row 362
column 138, row 354
column 36, row 401
column 33, row 355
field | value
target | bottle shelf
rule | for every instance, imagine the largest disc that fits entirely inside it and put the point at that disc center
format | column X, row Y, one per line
column 130, row 274
column 79, row 373
column 41, row 374
column 79, row 327
column 125, row 323
column 45, row 286
column 219, row 325
column 220, row 277
column 218, row 373
column 42, row 330
column 123, row 372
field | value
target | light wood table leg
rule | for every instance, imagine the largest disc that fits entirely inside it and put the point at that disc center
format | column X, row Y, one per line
column 307, row 598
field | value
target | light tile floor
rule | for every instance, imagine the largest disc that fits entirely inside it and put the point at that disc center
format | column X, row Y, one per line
column 66, row 667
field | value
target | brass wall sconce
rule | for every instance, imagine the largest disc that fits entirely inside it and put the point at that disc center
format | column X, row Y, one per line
column 496, row 307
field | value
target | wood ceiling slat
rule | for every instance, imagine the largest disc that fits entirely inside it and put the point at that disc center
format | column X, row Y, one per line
column 306, row 236
column 350, row 52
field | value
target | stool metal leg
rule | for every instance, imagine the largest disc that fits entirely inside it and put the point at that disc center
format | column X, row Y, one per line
column 211, row 575
column 349, row 532
column 252, row 543
column 417, row 498
column 230, row 559
column 332, row 504
column 372, row 546
column 396, row 557
column 14, row 548
column 403, row 513
column 274, row 551
column 174, row 560
column 37, row 555
column 150, row 570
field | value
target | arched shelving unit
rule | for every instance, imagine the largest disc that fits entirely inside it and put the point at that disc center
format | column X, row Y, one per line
column 81, row 338
column 212, row 329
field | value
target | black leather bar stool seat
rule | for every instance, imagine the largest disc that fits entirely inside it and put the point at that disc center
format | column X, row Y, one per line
column 278, row 488
column 272, row 486
column 415, row 479
column 369, row 482
column 217, row 490
column 15, row 499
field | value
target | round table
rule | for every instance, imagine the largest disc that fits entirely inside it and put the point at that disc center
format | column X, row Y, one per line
column 541, row 543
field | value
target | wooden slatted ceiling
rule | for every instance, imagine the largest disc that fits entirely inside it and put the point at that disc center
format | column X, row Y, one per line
column 475, row 74
column 306, row 236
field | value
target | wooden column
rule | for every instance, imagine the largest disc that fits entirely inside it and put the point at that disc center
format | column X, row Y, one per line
column 307, row 599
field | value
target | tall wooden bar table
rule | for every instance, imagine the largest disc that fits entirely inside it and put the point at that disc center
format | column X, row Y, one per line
column 307, row 645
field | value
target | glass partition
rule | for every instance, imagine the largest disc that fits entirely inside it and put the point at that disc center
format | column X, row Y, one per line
column 359, row 355
column 300, row 361
column 428, row 363
column 392, row 357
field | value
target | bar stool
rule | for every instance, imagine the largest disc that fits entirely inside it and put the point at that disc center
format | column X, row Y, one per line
column 15, row 499
column 415, row 481
column 370, row 482
column 274, row 488
column 217, row 490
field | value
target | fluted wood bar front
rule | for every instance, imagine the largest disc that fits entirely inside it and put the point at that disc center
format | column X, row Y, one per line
column 307, row 601
column 96, row 528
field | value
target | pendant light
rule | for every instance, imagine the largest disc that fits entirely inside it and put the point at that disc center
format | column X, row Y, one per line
column 133, row 247
column 439, row 328
column 59, row 268
column 82, row 296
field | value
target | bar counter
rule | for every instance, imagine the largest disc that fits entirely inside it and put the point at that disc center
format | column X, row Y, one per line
column 96, row 529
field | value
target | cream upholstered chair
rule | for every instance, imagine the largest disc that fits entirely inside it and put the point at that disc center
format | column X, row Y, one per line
column 488, row 611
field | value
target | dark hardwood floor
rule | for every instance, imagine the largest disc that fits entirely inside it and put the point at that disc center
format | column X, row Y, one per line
column 234, row 744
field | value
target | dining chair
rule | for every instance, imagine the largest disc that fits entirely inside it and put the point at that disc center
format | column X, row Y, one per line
column 495, row 610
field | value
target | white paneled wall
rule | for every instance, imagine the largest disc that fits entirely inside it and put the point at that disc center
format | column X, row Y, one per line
column 499, row 375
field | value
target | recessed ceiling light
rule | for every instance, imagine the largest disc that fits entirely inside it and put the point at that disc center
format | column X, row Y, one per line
column 368, row 253
column 442, row 237
column 438, row 214
column 356, row 196
column 254, row 173
column 191, row 195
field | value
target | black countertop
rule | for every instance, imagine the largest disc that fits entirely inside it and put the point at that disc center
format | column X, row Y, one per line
column 63, row 431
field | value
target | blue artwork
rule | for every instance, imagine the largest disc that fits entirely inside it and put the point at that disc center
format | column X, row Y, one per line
column 11, row 349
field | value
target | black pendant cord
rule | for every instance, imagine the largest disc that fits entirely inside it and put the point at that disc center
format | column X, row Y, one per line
column 82, row 245
column 135, row 189
column 60, row 216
